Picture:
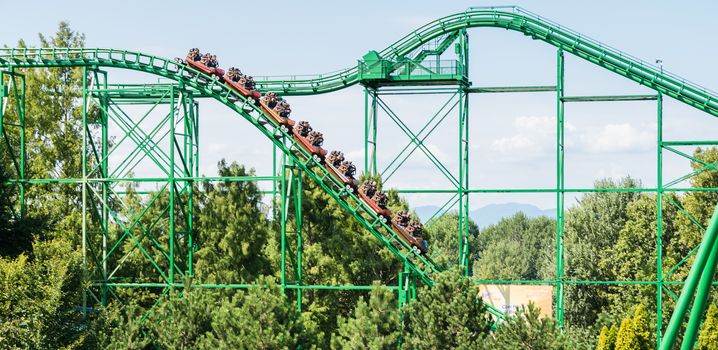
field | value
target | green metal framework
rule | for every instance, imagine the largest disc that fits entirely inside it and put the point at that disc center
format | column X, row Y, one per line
column 163, row 230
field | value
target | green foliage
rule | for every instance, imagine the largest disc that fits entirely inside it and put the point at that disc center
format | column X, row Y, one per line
column 590, row 233
column 609, row 236
column 337, row 250
column 517, row 247
column 261, row 318
column 626, row 340
column 634, row 246
column 120, row 329
column 443, row 239
column 529, row 330
column 53, row 111
column 233, row 230
column 708, row 336
column 258, row 318
column 374, row 325
column 448, row 316
column 16, row 233
column 633, row 334
column 699, row 205
column 38, row 298
column 607, row 339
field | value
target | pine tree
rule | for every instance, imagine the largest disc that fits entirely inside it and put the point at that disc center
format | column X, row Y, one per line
column 529, row 330
column 612, row 336
column 260, row 318
column 232, row 229
column 448, row 316
column 374, row 325
column 642, row 328
column 603, row 341
column 635, row 332
column 337, row 250
column 708, row 337
column 626, row 338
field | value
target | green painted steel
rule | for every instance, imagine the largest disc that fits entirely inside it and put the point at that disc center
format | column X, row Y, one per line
column 703, row 256
column 405, row 67
column 28, row 58
column 520, row 20
column 560, row 187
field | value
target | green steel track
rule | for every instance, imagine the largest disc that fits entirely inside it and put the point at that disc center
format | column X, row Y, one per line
column 534, row 26
column 407, row 48
column 184, row 75
column 170, row 69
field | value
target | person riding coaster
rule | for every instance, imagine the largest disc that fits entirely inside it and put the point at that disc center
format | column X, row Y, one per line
column 377, row 200
column 269, row 103
column 310, row 140
column 194, row 55
column 206, row 63
column 342, row 170
column 416, row 229
column 241, row 83
column 401, row 225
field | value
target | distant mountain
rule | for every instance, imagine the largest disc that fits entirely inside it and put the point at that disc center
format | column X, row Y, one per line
column 491, row 213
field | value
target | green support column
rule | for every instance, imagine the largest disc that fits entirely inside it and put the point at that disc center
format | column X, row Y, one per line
column 193, row 146
column 171, row 187
column 298, row 220
column 462, row 51
column 463, row 181
column 104, row 174
column 15, row 87
column 84, row 185
column 559, row 188
column 659, row 221
column 707, row 246
column 407, row 286
column 370, row 130
column 23, row 137
column 286, row 187
column 701, row 300
column 3, row 96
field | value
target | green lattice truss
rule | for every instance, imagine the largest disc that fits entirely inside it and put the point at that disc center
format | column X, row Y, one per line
column 410, row 65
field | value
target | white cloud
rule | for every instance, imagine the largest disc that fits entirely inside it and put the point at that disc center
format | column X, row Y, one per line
column 532, row 138
column 622, row 137
column 516, row 143
column 216, row 147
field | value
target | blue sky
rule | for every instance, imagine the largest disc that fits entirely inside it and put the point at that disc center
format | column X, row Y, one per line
column 511, row 135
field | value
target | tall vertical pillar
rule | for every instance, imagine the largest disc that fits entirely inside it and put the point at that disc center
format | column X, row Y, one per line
column 559, row 289
column 370, row 130
column 298, row 222
column 462, row 50
column 659, row 220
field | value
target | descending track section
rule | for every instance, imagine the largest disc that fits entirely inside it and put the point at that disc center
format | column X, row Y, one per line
column 255, row 113
column 523, row 21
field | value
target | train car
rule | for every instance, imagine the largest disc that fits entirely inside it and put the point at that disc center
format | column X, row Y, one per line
column 244, row 84
column 278, row 110
column 375, row 199
column 342, row 170
column 310, row 140
column 410, row 232
column 206, row 63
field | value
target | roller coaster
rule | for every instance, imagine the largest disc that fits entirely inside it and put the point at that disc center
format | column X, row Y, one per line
column 311, row 142
column 261, row 102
